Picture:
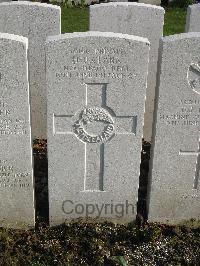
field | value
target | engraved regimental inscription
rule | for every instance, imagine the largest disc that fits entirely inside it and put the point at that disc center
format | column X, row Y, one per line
column 8, row 124
column 94, row 125
column 10, row 178
column 188, row 111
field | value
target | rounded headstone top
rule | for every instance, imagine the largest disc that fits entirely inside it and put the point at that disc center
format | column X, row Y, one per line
column 97, row 34
column 14, row 37
column 27, row 3
column 126, row 4
column 181, row 36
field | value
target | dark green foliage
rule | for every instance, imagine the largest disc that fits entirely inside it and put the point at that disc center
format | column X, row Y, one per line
column 181, row 3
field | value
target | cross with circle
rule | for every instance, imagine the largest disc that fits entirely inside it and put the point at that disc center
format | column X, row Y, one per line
column 94, row 125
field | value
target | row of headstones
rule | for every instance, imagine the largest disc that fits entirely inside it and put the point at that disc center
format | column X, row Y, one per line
column 96, row 90
column 89, row 2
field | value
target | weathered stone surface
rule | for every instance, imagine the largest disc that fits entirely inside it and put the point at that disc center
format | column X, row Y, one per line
column 96, row 94
column 175, row 187
column 150, row 2
column 193, row 18
column 1, row 1
column 140, row 20
column 35, row 21
column 16, row 173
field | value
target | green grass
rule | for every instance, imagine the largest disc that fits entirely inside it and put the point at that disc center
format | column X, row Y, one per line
column 175, row 19
column 76, row 19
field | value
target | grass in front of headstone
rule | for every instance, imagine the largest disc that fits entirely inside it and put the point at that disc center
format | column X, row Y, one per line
column 101, row 244
column 75, row 19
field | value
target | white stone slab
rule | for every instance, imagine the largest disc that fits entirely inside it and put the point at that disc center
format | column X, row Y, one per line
column 140, row 20
column 96, row 94
column 193, row 18
column 16, row 173
column 175, row 185
column 116, row 1
column 35, row 21
column 150, row 2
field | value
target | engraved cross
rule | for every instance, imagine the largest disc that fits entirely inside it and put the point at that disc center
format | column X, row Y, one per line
column 197, row 171
column 94, row 126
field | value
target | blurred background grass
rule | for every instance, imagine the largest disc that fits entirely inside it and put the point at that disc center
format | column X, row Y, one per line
column 76, row 19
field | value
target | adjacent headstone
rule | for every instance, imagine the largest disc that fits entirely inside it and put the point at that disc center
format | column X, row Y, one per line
column 140, row 20
column 175, row 181
column 193, row 18
column 16, row 172
column 35, row 21
column 150, row 2
column 96, row 95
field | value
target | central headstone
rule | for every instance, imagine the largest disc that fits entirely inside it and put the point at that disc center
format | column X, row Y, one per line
column 16, row 171
column 140, row 20
column 35, row 21
column 96, row 94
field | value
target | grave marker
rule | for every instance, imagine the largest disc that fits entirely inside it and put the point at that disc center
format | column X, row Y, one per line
column 193, row 18
column 96, row 93
column 16, row 173
column 175, row 191
column 140, row 20
column 150, row 2
column 35, row 21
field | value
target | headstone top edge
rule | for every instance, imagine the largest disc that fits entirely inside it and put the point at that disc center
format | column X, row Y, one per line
column 56, row 38
column 27, row 3
column 125, row 4
column 181, row 36
column 194, row 6
column 14, row 37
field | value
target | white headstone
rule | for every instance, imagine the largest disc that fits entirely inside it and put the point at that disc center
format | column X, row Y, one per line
column 175, row 184
column 193, row 18
column 35, row 21
column 140, row 20
column 150, row 2
column 96, row 94
column 16, row 173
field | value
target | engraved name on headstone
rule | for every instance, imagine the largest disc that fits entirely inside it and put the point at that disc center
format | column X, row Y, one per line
column 35, row 21
column 96, row 93
column 16, row 173
column 175, row 191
